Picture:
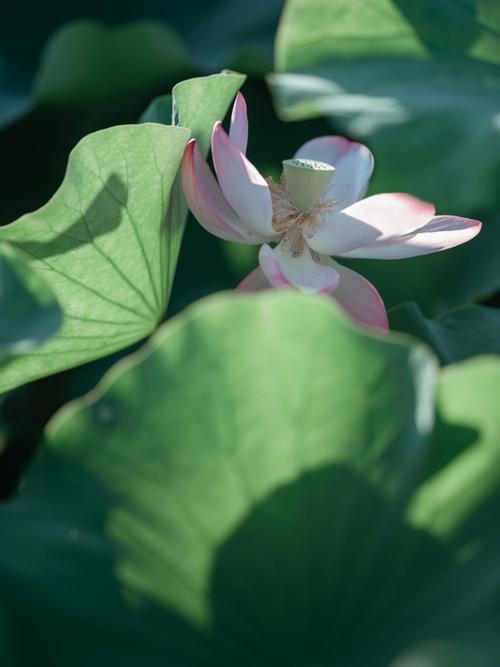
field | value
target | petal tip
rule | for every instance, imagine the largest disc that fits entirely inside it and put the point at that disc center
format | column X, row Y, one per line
column 240, row 101
column 190, row 148
column 217, row 128
column 476, row 226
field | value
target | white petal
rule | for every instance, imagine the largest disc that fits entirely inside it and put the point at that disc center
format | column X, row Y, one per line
column 245, row 190
column 375, row 218
column 302, row 272
column 238, row 132
column 441, row 233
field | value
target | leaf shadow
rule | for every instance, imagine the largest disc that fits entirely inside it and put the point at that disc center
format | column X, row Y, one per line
column 327, row 571
column 102, row 216
column 443, row 31
column 324, row 571
column 92, row 616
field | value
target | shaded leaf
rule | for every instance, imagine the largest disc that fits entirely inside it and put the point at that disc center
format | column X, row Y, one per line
column 454, row 336
column 257, row 488
column 12, row 107
column 14, row 100
column 29, row 312
column 159, row 111
column 87, row 63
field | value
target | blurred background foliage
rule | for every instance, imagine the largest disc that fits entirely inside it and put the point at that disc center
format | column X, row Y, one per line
column 417, row 82
column 420, row 84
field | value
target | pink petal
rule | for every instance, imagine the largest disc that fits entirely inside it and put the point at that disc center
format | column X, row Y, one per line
column 205, row 199
column 375, row 218
column 255, row 281
column 441, row 233
column 302, row 272
column 243, row 187
column 238, row 131
column 354, row 294
column 359, row 298
column 353, row 164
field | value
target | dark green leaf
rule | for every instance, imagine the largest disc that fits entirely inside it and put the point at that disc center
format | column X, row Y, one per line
column 454, row 336
column 87, row 63
column 159, row 111
column 420, row 81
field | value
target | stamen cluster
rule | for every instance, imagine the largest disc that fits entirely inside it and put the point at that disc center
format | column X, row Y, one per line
column 294, row 224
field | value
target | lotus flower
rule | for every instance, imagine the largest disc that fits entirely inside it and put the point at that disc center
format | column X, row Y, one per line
column 316, row 211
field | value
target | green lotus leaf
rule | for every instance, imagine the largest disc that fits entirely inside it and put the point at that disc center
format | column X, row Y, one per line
column 29, row 312
column 195, row 103
column 461, row 333
column 107, row 242
column 87, row 63
column 261, row 486
column 101, row 245
column 158, row 111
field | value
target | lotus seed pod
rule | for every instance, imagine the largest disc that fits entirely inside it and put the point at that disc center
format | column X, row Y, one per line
column 306, row 181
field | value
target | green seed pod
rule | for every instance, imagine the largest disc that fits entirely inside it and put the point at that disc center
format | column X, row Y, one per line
column 306, row 181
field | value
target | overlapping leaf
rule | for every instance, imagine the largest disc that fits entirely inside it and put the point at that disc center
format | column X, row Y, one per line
column 195, row 103
column 260, row 487
column 101, row 245
column 107, row 242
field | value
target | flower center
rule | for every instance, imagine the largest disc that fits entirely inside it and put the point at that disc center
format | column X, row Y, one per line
column 297, row 210
column 306, row 181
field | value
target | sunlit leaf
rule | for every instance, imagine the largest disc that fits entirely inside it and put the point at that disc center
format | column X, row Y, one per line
column 101, row 244
column 260, row 487
column 108, row 241
column 198, row 101
column 195, row 103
